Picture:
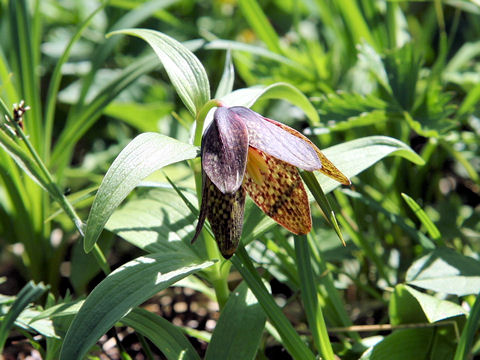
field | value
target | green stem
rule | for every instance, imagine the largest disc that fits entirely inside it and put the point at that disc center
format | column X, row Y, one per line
column 200, row 119
column 222, row 291
column 290, row 338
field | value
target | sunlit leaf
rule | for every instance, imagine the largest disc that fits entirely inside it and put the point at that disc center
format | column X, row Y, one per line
column 446, row 271
column 118, row 293
column 352, row 157
column 145, row 154
column 239, row 330
column 185, row 71
column 166, row 336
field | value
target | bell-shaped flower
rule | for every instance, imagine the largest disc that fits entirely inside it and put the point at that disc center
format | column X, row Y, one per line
column 243, row 152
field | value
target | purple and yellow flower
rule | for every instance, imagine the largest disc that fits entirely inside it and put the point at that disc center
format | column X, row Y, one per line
column 243, row 152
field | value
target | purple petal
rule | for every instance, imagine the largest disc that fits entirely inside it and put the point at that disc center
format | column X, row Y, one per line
column 224, row 151
column 277, row 142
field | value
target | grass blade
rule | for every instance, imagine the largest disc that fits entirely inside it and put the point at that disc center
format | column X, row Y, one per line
column 261, row 25
column 468, row 333
column 424, row 219
column 291, row 340
column 312, row 307
column 28, row 294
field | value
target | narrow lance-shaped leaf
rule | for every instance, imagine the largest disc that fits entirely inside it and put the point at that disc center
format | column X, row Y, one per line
column 355, row 156
column 228, row 77
column 145, row 154
column 125, row 288
column 185, row 71
column 239, row 329
column 29, row 293
column 166, row 336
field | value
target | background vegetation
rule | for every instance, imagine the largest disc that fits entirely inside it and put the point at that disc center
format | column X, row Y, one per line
column 382, row 78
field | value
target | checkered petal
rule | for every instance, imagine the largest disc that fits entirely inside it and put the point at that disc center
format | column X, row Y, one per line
column 225, row 214
column 276, row 187
column 224, row 151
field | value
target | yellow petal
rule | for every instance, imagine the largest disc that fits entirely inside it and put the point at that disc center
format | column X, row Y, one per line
column 276, row 187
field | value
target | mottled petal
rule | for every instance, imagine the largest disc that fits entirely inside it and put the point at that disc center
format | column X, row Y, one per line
column 276, row 187
column 224, row 151
column 277, row 142
column 225, row 214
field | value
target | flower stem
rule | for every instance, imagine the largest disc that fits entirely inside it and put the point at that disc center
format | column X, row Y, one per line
column 200, row 119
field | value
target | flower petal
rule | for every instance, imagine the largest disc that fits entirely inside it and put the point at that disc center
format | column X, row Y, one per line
column 276, row 187
column 276, row 138
column 225, row 214
column 224, row 151
column 277, row 142
column 327, row 167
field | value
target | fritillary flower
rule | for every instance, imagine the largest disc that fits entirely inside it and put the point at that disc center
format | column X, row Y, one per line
column 246, row 153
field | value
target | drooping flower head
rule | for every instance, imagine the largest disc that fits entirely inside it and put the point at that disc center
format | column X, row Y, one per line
column 244, row 152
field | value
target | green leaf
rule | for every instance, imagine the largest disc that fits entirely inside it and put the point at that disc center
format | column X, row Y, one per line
column 316, row 190
column 395, row 218
column 139, row 14
column 432, row 117
column 310, row 296
column 261, row 25
column 469, row 331
column 23, row 159
column 401, row 345
column 228, row 77
column 352, row 157
column 55, row 80
column 43, row 326
column 239, row 330
column 156, row 221
column 123, row 289
column 145, row 154
column 92, row 111
column 220, row 44
column 185, row 71
column 29, row 293
column 166, row 336
column 249, row 96
column 143, row 117
column 402, row 66
column 423, row 217
column 343, row 111
column 374, row 63
column 446, row 271
column 412, row 306
column 290, row 338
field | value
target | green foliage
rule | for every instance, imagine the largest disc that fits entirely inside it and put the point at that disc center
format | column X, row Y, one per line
column 388, row 89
